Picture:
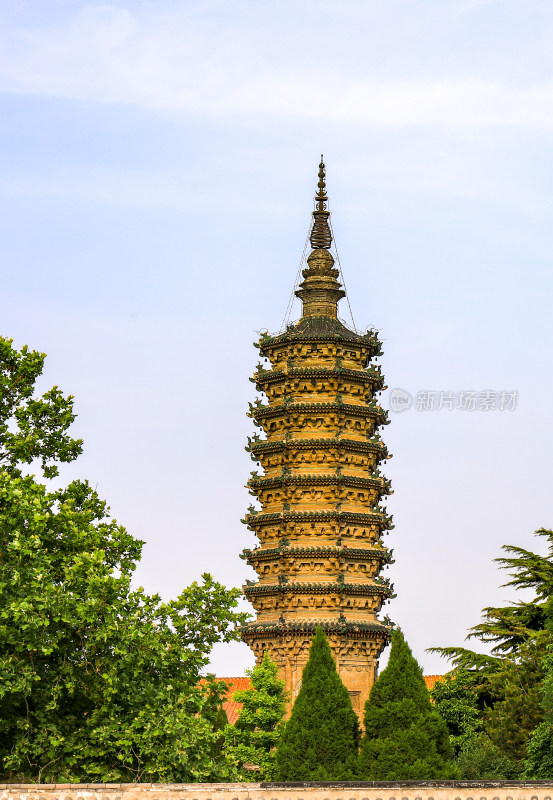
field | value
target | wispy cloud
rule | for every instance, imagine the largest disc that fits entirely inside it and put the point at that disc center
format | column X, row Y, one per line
column 178, row 63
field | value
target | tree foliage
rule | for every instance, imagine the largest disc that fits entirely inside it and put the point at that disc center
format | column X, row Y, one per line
column 320, row 740
column 31, row 427
column 98, row 680
column 507, row 628
column 253, row 739
column 405, row 738
column 463, row 705
column 481, row 760
column 539, row 763
column 508, row 679
column 516, row 709
column 457, row 701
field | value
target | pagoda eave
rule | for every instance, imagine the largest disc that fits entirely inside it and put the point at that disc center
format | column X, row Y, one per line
column 384, row 521
column 345, row 553
column 315, row 480
column 351, row 629
column 265, row 446
column 323, row 329
column 347, row 409
column 280, row 376
column 292, row 587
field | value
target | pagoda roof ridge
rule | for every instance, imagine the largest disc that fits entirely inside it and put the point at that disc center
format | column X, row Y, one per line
column 310, row 625
column 262, row 554
column 348, row 408
column 385, row 520
column 317, row 444
column 315, row 478
column 324, row 587
column 323, row 328
column 274, row 375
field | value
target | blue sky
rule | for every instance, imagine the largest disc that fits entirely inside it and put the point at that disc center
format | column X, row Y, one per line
column 158, row 173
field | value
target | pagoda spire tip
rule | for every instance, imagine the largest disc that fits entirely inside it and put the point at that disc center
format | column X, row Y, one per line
column 321, row 237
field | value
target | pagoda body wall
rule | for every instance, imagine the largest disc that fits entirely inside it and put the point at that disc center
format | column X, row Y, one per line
column 320, row 521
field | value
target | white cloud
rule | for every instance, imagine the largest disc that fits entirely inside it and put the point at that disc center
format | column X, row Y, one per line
column 191, row 63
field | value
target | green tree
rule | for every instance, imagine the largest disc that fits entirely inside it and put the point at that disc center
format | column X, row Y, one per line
column 98, row 681
column 32, row 428
column 405, row 738
column 457, row 702
column 254, row 737
column 516, row 708
column 506, row 628
column 508, row 679
column 539, row 763
column 480, row 759
column 320, row 740
column 461, row 702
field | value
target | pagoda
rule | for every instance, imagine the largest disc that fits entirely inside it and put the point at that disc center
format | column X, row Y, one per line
column 320, row 523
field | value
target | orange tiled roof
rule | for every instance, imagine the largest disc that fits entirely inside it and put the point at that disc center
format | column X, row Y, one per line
column 430, row 680
column 233, row 708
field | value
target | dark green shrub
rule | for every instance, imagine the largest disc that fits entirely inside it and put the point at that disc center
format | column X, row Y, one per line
column 405, row 738
column 321, row 738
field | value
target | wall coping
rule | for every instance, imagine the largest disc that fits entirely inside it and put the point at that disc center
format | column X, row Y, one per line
column 179, row 787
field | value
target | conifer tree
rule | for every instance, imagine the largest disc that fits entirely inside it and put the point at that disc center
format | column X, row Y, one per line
column 508, row 679
column 405, row 739
column 321, row 738
column 539, row 763
column 254, row 737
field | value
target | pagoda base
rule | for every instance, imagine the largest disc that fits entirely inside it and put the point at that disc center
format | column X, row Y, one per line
column 355, row 647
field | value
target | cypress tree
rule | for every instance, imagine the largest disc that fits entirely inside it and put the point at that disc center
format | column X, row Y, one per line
column 539, row 763
column 321, row 738
column 405, row 738
column 252, row 741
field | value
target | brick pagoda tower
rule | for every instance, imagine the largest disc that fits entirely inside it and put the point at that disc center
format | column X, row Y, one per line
column 320, row 525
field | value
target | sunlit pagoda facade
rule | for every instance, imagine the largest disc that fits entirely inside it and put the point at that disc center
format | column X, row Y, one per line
column 320, row 521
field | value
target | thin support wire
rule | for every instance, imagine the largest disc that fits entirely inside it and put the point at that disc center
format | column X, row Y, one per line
column 341, row 272
column 288, row 311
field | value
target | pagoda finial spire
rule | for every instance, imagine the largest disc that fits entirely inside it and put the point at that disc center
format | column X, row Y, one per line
column 320, row 290
column 321, row 237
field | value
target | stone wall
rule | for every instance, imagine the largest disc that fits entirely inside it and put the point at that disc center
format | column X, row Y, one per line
column 422, row 790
